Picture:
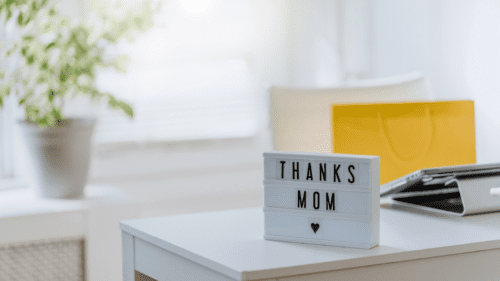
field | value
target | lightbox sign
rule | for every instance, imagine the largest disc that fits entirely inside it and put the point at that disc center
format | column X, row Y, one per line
column 327, row 199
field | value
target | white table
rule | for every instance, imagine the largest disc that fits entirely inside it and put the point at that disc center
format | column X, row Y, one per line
column 229, row 245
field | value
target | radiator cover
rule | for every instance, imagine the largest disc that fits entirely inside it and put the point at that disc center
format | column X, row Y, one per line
column 54, row 259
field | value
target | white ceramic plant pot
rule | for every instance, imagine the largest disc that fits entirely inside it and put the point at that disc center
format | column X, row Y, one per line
column 60, row 157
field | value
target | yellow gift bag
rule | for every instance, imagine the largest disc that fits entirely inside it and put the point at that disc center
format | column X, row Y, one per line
column 407, row 136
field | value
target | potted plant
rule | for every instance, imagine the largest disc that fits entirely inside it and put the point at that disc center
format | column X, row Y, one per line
column 47, row 59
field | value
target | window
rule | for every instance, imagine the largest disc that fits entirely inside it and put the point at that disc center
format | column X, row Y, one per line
column 189, row 77
column 8, row 170
column 213, row 100
column 202, row 74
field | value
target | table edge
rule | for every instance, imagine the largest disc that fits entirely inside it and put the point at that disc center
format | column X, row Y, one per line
column 371, row 260
column 244, row 274
column 212, row 265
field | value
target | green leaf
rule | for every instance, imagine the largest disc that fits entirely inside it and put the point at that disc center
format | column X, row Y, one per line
column 20, row 19
column 50, row 46
column 57, row 114
column 112, row 102
column 4, row 92
column 31, row 112
column 127, row 109
column 120, row 63
column 43, row 122
column 117, row 104
column 41, row 79
column 28, row 38
column 43, row 66
column 63, row 76
column 22, row 101
column 52, row 94
column 31, row 59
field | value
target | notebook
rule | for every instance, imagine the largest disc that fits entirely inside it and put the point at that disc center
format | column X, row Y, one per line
column 457, row 190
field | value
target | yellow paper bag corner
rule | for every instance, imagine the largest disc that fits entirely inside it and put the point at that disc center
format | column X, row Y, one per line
column 406, row 136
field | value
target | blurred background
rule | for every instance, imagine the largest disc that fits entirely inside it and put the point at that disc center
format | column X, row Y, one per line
column 199, row 78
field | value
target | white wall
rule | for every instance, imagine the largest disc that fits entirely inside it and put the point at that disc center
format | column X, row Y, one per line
column 455, row 44
column 312, row 38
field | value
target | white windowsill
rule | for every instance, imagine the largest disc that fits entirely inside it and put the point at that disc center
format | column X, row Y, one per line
column 7, row 184
column 161, row 178
column 153, row 160
column 23, row 201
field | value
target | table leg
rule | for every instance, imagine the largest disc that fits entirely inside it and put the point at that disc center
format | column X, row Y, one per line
column 128, row 257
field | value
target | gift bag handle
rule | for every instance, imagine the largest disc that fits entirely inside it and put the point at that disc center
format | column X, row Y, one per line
column 390, row 145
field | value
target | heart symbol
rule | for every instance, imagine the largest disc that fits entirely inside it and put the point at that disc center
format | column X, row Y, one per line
column 315, row 227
